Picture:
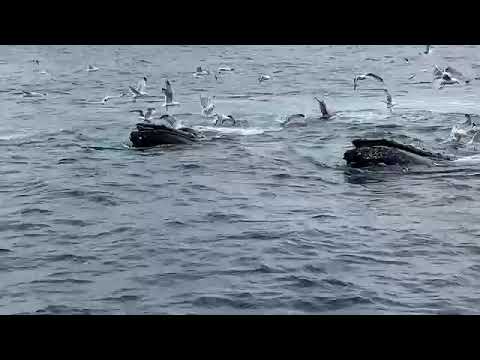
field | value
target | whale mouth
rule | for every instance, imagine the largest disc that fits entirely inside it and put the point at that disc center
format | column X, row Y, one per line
column 371, row 152
column 149, row 135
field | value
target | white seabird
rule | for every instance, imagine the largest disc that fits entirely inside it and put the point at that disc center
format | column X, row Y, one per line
column 448, row 80
column 388, row 100
column 446, row 76
column 220, row 118
column 141, row 88
column 108, row 97
column 91, row 68
column 145, row 116
column 475, row 138
column 263, row 77
column 225, row 69
column 365, row 76
column 323, row 109
column 207, row 105
column 200, row 72
column 170, row 119
column 293, row 117
column 469, row 121
column 168, row 91
column 33, row 94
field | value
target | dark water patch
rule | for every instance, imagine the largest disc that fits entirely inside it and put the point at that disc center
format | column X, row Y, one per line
column 70, row 257
column 320, row 304
column 35, row 211
column 217, row 303
column 65, row 310
column 72, row 222
column 296, row 281
column 324, row 216
column 122, row 299
column 21, row 226
column 358, row 259
column 62, row 281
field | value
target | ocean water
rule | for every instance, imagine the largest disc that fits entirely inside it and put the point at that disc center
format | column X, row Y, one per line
column 253, row 220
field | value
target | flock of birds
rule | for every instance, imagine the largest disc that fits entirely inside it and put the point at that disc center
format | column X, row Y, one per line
column 445, row 77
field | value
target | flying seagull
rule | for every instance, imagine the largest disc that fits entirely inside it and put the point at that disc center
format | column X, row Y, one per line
column 323, row 109
column 140, row 89
column 145, row 116
column 207, row 105
column 388, row 101
column 365, row 76
column 170, row 119
column 167, row 90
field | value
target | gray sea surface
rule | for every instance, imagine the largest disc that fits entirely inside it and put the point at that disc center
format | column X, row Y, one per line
column 256, row 219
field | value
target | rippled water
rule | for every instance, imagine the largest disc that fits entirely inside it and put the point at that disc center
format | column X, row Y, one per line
column 251, row 221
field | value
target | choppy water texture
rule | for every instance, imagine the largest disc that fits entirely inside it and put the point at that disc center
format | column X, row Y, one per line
column 252, row 221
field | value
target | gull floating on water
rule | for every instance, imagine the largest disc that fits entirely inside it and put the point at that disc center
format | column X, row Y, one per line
column 365, row 76
column 200, row 72
column 469, row 121
column 451, row 71
column 207, row 105
column 293, row 117
column 225, row 69
column 220, row 118
column 92, row 68
column 263, row 77
column 448, row 80
column 145, row 116
column 140, row 90
column 323, row 109
column 108, row 97
column 33, row 94
column 446, row 75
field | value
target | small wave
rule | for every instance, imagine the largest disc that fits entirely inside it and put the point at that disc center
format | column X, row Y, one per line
column 14, row 136
column 61, row 281
column 35, row 211
column 71, row 257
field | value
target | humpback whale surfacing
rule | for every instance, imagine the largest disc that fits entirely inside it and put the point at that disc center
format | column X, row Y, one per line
column 371, row 152
column 148, row 135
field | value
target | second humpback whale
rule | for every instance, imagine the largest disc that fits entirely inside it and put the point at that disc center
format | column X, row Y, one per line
column 370, row 152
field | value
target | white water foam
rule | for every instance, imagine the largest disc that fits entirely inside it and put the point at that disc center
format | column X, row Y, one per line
column 472, row 159
column 228, row 130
